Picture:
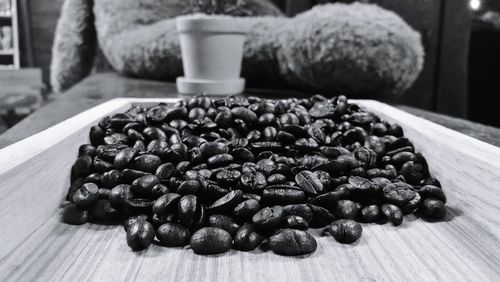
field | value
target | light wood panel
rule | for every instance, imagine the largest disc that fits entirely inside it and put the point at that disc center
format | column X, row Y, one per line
column 464, row 247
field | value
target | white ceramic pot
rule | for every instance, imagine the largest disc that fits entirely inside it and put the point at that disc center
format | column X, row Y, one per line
column 212, row 51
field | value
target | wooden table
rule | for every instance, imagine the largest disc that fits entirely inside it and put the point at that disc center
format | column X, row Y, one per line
column 465, row 247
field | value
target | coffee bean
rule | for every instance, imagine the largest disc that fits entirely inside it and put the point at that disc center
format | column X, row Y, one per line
column 282, row 196
column 227, row 203
column 147, row 163
column 398, row 193
column 292, row 242
column 370, row 213
column 166, row 203
column 143, row 186
column 393, row 214
column 140, row 235
column 211, row 241
column 268, row 218
column 86, row 195
column 244, row 114
column 309, row 182
column 189, row 187
column 223, row 222
column 188, row 209
column 129, row 221
column 247, row 238
column 345, row 231
column 301, row 210
column 294, row 222
column 173, row 235
column 433, row 208
column 72, row 214
column 321, row 216
column 431, row 191
column 246, row 209
column 346, row 209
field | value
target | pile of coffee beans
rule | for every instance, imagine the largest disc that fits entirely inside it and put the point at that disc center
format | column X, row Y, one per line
column 241, row 173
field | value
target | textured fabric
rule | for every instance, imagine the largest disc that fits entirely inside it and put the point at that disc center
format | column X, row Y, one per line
column 360, row 49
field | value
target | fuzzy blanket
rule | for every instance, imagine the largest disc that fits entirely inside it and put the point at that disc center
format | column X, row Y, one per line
column 360, row 49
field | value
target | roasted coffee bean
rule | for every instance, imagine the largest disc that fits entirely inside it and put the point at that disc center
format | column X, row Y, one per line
column 166, row 203
column 223, row 222
column 393, row 214
column 247, row 238
column 412, row 205
column 243, row 114
column 125, row 157
column 211, row 241
column 111, row 178
column 228, row 177
column 159, row 190
column 268, row 218
column 173, row 235
column 86, row 195
column 321, row 216
column 73, row 214
column 189, row 187
column 129, row 221
column 344, row 231
column 129, row 175
column 433, row 208
column 280, row 196
column 292, row 242
column 220, row 160
column 398, row 193
column 140, row 235
column 276, row 179
column 143, row 186
column 370, row 213
column 153, row 133
column 309, row 182
column 266, row 166
column 147, row 163
column 327, row 200
column 227, row 203
column 102, row 211
column 302, row 210
column 295, row 222
column 346, row 209
column 431, row 191
column 246, row 209
column 188, row 209
column 82, row 166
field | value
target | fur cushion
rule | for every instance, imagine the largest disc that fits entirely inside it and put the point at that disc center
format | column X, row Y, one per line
column 359, row 48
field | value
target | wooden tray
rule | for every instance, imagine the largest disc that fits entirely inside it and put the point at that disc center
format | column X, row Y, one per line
column 34, row 245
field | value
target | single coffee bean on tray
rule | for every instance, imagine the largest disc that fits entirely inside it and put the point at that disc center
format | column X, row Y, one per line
column 234, row 171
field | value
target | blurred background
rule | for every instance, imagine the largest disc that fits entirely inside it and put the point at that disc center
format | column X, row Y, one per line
column 461, row 76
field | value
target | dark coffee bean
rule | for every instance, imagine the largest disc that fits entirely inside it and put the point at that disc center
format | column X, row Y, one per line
column 393, row 214
column 346, row 209
column 266, row 166
column 124, row 157
column 129, row 175
column 309, row 182
column 227, row 203
column 294, row 222
column 344, row 231
column 431, row 191
column 141, row 205
column 116, row 138
column 268, row 218
column 82, row 166
column 398, row 193
column 321, row 216
column 86, row 195
column 111, row 178
column 246, row 209
column 327, row 200
column 147, row 163
column 159, row 190
column 96, row 135
column 395, row 130
column 166, row 203
column 72, row 214
column 412, row 205
column 129, row 221
column 143, row 186
column 302, row 210
column 210, row 149
column 247, row 238
column 188, row 209
column 211, row 241
column 292, row 242
column 173, row 235
column 140, row 235
column 102, row 211
column 244, row 114
column 401, row 158
column 276, row 179
column 228, row 177
column 370, row 213
column 223, row 222
column 220, row 160
column 189, row 187
column 282, row 196
column 430, row 181
column 153, row 133
column 433, row 208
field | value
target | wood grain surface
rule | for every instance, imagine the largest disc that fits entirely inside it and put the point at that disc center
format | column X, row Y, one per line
column 34, row 245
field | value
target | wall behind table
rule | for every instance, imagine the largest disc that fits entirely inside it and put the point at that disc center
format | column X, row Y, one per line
column 43, row 17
